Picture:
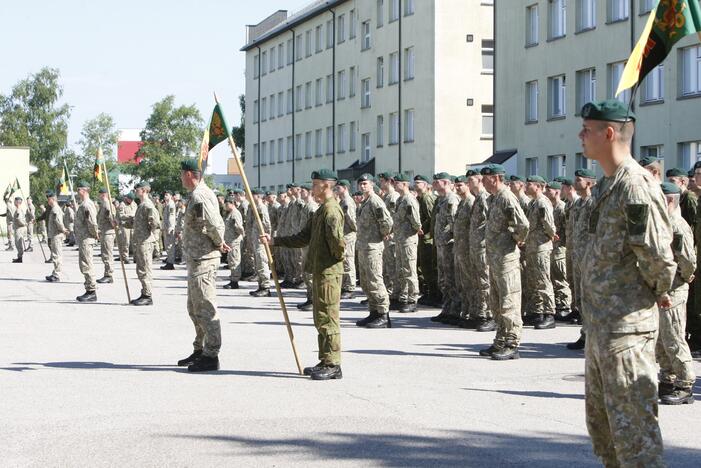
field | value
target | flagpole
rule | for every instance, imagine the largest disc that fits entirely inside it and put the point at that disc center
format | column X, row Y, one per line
column 70, row 182
column 271, row 261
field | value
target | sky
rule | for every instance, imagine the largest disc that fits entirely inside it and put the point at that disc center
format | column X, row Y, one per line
column 121, row 57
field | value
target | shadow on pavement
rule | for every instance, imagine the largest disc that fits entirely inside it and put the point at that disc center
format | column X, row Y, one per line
column 533, row 393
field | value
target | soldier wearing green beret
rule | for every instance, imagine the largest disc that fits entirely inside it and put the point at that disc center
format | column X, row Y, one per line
column 146, row 223
column 693, row 325
column 350, row 229
column 653, row 166
column 69, row 221
column 260, row 256
column 570, row 197
column 389, row 256
column 461, row 250
column 105, row 224
column 323, row 235
column 56, row 234
column 126, row 213
column 86, row 234
column 406, row 225
column 20, row 220
column 558, row 257
column 31, row 222
column 8, row 214
column 309, row 207
column 628, row 270
column 233, row 234
column 480, row 313
column 169, row 214
column 428, row 282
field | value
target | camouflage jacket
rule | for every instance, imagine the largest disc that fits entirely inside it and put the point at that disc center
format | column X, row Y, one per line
column 126, row 215
column 282, row 219
column 169, row 217
column 445, row 219
column 559, row 246
column 507, row 225
column 20, row 218
column 86, row 221
column 54, row 225
column 683, row 251
column 350, row 225
column 569, row 225
column 406, row 221
column 180, row 219
column 629, row 262
column 233, row 227
column 689, row 202
column 203, row 227
column 104, row 217
column 426, row 204
column 323, row 234
column 525, row 201
column 478, row 222
column 69, row 216
column 391, row 199
column 541, row 225
column 374, row 223
column 274, row 212
column 252, row 224
column 579, row 219
column 461, row 227
column 146, row 222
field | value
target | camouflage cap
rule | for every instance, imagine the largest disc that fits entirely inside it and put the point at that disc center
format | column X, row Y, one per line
column 585, row 173
column 669, row 188
column 493, row 169
column 421, row 178
column 344, row 183
column 537, row 179
column 676, row 172
column 401, row 177
column 365, row 177
column 324, row 174
column 609, row 110
column 190, row 164
column 647, row 160
column 83, row 184
column 555, row 185
column 442, row 176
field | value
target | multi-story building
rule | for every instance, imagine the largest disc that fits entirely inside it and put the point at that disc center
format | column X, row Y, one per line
column 369, row 86
column 556, row 55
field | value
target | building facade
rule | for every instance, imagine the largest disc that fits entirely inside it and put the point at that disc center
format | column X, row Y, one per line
column 369, row 86
column 556, row 55
column 15, row 167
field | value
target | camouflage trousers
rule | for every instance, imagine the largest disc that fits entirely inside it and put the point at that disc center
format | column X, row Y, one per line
column 428, row 275
column 298, row 265
column 539, row 287
column 505, row 302
column 576, row 284
column 561, row 285
column 348, row 284
column 41, row 230
column 463, row 278
column 30, row 235
column 20, row 234
column 56, row 249
column 672, row 351
column 85, row 253
column 169, row 245
column 125, row 242
column 621, row 398
column 693, row 324
column 262, row 266
column 446, row 279
column 201, row 305
column 370, row 266
column 233, row 260
column 143, row 257
column 178, row 248
column 389, row 268
column 406, row 286
column 326, row 299
column 10, row 234
column 248, row 262
column 106, row 248
column 157, row 248
column 479, row 272
column 306, row 277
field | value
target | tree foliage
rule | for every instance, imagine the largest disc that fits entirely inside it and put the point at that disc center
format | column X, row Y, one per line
column 239, row 132
column 32, row 116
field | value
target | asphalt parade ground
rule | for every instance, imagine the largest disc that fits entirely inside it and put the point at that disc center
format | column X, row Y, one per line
column 96, row 385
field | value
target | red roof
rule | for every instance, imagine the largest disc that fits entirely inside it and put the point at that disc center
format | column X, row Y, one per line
column 126, row 150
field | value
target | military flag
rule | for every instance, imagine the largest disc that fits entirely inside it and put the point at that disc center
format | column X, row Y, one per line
column 8, row 192
column 62, row 188
column 215, row 133
column 670, row 21
column 99, row 162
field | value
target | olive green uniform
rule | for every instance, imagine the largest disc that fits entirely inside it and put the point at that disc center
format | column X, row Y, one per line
column 86, row 235
column 426, row 252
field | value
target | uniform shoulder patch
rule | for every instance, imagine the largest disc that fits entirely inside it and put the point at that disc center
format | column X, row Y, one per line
column 636, row 218
column 677, row 241
column 198, row 209
column 593, row 221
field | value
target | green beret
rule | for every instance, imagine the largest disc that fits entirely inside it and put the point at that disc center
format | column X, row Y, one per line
column 493, row 169
column 143, row 184
column 537, row 179
column 130, row 196
column 691, row 172
column 555, row 185
column 675, row 172
column 585, row 173
column 610, row 110
column 257, row 191
column 386, row 175
column 566, row 181
column 103, row 190
column 292, row 185
column 669, row 188
column 461, row 179
column 344, row 183
column 358, row 194
column 83, row 184
column 401, row 177
column 325, row 174
column 517, row 178
column 229, row 200
column 50, row 193
column 365, row 177
column 190, row 164
column 472, row 172
column 306, row 186
column 238, row 191
column 18, row 198
column 421, row 178
column 282, row 193
column 647, row 160
column 442, row 176
column 268, row 193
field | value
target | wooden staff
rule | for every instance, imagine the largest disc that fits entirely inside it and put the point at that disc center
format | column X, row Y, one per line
column 117, row 231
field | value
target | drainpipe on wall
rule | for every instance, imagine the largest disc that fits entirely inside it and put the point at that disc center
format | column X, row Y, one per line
column 400, row 76
column 333, row 94
column 632, row 46
column 260, row 78
column 294, row 61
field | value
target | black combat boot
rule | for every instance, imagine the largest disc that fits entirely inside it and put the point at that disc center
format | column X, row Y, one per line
column 191, row 358
column 204, row 364
column 232, row 285
column 347, row 295
column 506, row 353
column 142, row 301
column 105, row 279
column 679, row 396
column 327, row 373
column 545, row 324
column 563, row 315
column 364, row 302
column 407, row 308
column 260, row 292
column 533, row 319
column 311, row 370
column 306, row 305
column 17, row 260
column 579, row 344
column 363, row 322
column 486, row 325
column 489, row 351
column 89, row 296
column 168, row 266
column 52, row 279
column 381, row 321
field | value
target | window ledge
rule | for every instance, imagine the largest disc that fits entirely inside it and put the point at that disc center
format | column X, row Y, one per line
column 487, row 72
column 620, row 20
column 409, row 141
column 365, row 107
column 556, row 117
column 557, row 38
column 528, row 46
column 340, row 152
column 530, row 122
column 584, row 30
column 684, row 97
column 486, row 137
column 393, row 144
column 410, row 78
column 652, row 102
column 392, row 83
column 381, row 146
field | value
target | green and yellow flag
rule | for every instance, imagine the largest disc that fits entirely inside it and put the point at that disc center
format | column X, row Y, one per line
column 99, row 161
column 62, row 187
column 217, row 132
column 8, row 192
column 670, row 21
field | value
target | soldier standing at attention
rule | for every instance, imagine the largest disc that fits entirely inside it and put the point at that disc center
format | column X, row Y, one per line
column 203, row 241
column 169, row 221
column 310, row 206
column 158, row 233
column 627, row 271
column 247, row 258
column 106, row 230
column 677, row 375
column 406, row 223
column 20, row 220
column 261, row 257
column 323, row 234
column 31, row 221
column 41, row 223
column 570, row 197
column 389, row 260
column 374, row 224
column 146, row 224
column 283, row 211
column 178, row 231
column 463, row 273
column 653, row 166
column 507, row 226
column 426, row 250
column 558, row 257
column 56, row 233
column 8, row 214
column 126, row 228
column 350, row 229
column 480, row 312
column 233, row 234
column 86, row 234
column 69, row 222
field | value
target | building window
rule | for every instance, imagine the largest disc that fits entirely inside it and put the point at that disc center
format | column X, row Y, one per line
column 351, row 82
column 617, row 10
column 351, row 24
column 341, row 28
column 557, row 166
column 329, row 140
column 272, row 59
column 318, row 35
column 280, row 56
column 308, row 95
column 351, row 135
column 255, row 154
column 409, row 63
column 689, row 153
column 655, row 151
column 299, row 47
column 393, row 68
column 487, row 121
column 532, row 25
column 280, row 104
column 264, row 110
column 272, row 106
column 646, row 6
column 380, row 13
column 380, row 131
column 531, row 166
column 532, row 101
column 329, row 34
column 264, row 63
column 308, row 43
column 272, row 152
column 342, row 83
column 263, row 153
column 365, row 90
column 488, row 55
column 393, row 128
column 256, row 111
column 298, row 147
column 615, row 72
column 366, row 35
column 341, row 139
column 586, row 87
column 329, row 88
column 256, row 65
column 393, row 10
column 409, row 7
column 556, row 96
column 290, row 149
column 409, row 125
column 318, row 140
column 308, row 145
column 380, row 72
column 290, row 107
column 280, row 150
column 290, row 51
column 653, row 85
column 318, row 92
column 586, row 14
column 581, row 162
column 691, row 70
column 298, row 98
column 557, row 18
column 365, row 142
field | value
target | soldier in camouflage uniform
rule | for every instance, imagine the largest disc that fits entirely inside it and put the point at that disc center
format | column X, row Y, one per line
column 69, row 222
column 233, row 234
column 247, row 259
column 126, row 225
column 677, row 375
column 558, row 257
column 374, row 224
column 56, row 232
column 507, row 227
column 570, row 197
column 627, row 271
column 20, row 219
column 146, row 223
column 693, row 324
column 653, row 166
column 463, row 272
column 480, row 313
column 261, row 257
column 282, row 252
column 31, row 221
column 426, row 250
column 106, row 229
column 389, row 260
column 203, row 241
column 168, row 229
column 406, row 223
column 86, row 234
column 179, row 220
column 8, row 214
column 350, row 229
column 271, row 200
column 158, row 233
column 445, row 211
column 41, row 223
column 307, row 212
